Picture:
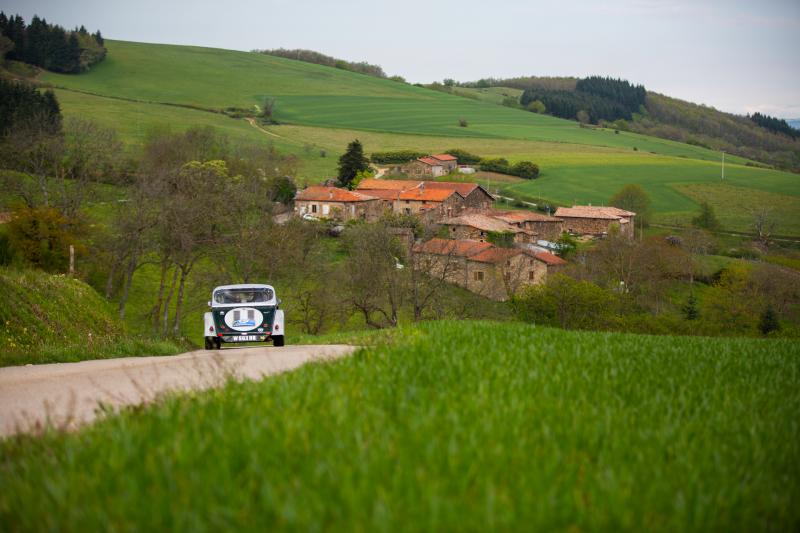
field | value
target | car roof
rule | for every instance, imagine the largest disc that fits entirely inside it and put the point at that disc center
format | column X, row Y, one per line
column 243, row 286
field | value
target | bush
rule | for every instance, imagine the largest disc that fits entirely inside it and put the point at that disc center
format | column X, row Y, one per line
column 567, row 303
column 525, row 169
column 463, row 122
column 464, row 157
column 499, row 164
column 398, row 156
column 503, row 239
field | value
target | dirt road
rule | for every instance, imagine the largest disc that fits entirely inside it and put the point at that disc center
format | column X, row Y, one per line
column 68, row 394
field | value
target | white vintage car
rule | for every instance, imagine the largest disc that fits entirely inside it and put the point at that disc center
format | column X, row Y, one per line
column 243, row 313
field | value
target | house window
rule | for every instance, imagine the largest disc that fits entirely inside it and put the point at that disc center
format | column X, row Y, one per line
column 313, row 208
column 326, row 209
column 477, row 275
column 453, row 229
column 531, row 275
column 407, row 210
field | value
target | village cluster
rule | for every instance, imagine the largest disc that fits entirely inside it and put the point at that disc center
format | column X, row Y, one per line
column 466, row 214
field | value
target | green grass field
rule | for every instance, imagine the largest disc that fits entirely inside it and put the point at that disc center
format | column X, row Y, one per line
column 322, row 109
column 463, row 426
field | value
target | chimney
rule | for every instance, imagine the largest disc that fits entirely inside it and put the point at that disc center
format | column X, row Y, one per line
column 330, row 194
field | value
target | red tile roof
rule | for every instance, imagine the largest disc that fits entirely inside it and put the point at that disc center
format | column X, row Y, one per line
column 464, row 189
column 481, row 222
column 428, row 160
column 460, row 248
column 320, row 193
column 424, row 194
column 590, row 211
column 549, row 259
column 515, row 217
column 397, row 185
column 383, row 194
column 444, row 157
column 496, row 255
column 482, row 252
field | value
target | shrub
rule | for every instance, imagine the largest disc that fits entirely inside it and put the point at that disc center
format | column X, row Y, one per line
column 398, row 156
column 464, row 157
column 499, row 164
column 463, row 122
column 503, row 239
column 525, row 169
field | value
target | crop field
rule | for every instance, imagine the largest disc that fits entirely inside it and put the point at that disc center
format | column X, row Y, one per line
column 462, row 426
column 322, row 109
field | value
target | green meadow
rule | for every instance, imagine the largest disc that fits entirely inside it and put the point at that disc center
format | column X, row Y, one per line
column 449, row 426
column 321, row 109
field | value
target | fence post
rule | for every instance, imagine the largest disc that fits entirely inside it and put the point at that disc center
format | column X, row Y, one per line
column 71, row 260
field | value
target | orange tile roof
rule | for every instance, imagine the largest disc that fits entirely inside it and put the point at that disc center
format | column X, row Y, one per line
column 521, row 216
column 590, row 211
column 482, row 222
column 549, row 259
column 398, row 185
column 428, row 160
column 320, row 193
column 482, row 252
column 464, row 189
column 383, row 194
column 496, row 255
column 460, row 248
column 424, row 194
column 444, row 157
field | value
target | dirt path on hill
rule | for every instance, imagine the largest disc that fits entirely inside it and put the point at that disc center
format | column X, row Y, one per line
column 253, row 123
column 68, row 394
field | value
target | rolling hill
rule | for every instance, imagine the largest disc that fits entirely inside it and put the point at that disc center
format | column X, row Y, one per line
column 141, row 86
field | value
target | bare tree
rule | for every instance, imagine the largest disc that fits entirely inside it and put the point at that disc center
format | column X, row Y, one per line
column 763, row 224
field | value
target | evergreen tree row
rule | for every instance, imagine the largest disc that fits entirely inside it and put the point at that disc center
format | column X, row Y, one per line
column 773, row 124
column 21, row 105
column 600, row 98
column 50, row 46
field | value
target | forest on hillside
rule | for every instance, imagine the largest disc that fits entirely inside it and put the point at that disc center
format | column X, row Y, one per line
column 623, row 106
column 49, row 46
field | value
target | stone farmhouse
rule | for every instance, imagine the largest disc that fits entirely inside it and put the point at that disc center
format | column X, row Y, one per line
column 543, row 226
column 338, row 204
column 431, row 200
column 432, row 165
column 484, row 268
column 596, row 221
column 478, row 226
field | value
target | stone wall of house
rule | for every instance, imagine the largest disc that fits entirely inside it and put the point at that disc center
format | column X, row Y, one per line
column 547, row 230
column 478, row 199
column 370, row 210
column 588, row 226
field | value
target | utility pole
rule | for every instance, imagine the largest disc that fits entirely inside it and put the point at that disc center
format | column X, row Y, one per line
column 723, row 164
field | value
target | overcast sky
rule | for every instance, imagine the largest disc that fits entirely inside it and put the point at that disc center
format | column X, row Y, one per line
column 739, row 56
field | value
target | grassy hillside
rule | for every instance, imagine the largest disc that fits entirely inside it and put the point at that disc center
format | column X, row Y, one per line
column 324, row 108
column 458, row 426
column 53, row 318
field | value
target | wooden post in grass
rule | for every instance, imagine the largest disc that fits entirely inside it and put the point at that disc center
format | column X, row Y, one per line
column 71, row 260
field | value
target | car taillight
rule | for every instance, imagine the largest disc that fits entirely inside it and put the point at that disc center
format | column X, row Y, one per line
column 277, row 327
column 211, row 328
column 219, row 334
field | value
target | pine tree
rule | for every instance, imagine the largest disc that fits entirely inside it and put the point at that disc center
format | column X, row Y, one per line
column 690, row 311
column 351, row 163
column 707, row 219
column 769, row 321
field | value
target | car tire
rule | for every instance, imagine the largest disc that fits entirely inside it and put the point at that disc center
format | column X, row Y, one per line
column 277, row 340
column 218, row 344
column 209, row 343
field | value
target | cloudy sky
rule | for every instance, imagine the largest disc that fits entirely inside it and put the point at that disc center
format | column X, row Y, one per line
column 735, row 55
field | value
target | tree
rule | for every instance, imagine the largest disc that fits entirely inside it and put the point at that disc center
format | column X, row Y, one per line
column 763, row 224
column 351, row 163
column 632, row 197
column 525, row 169
column 566, row 303
column 372, row 277
column 42, row 236
column 706, row 219
column 690, row 310
column 769, row 321
column 536, row 106
column 583, row 116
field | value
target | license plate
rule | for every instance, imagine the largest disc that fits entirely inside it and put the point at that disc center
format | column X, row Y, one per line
column 245, row 338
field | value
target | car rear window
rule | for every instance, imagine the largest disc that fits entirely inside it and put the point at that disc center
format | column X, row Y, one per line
column 243, row 296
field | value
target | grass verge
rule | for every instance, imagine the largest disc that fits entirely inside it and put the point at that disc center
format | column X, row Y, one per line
column 452, row 426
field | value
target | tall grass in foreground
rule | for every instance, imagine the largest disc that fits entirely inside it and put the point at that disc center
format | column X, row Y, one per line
column 454, row 426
